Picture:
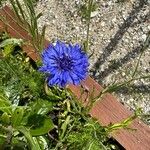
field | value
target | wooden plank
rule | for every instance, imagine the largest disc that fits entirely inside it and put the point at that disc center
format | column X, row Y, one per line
column 10, row 19
column 107, row 110
column 16, row 31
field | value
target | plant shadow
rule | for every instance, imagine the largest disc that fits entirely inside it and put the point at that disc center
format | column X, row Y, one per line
column 114, row 42
column 119, row 63
column 144, row 89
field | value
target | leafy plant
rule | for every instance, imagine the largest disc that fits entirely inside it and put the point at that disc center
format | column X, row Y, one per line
column 15, row 120
column 27, row 19
column 23, row 104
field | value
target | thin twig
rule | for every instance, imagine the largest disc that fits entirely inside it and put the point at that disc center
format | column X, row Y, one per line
column 146, row 45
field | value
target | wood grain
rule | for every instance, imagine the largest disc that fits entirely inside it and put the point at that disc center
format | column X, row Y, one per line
column 106, row 110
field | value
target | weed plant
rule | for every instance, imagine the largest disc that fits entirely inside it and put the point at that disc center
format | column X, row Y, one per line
column 27, row 19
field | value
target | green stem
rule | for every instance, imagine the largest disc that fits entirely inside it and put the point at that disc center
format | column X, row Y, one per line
column 10, row 68
column 146, row 45
column 7, row 24
column 64, row 127
column 3, row 136
column 123, row 124
column 90, row 4
column 32, row 27
column 33, row 142
column 124, row 83
column 114, row 87
column 17, row 21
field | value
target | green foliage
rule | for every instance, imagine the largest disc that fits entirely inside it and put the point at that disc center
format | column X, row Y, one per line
column 19, row 79
column 33, row 143
column 17, row 116
column 24, row 119
column 24, row 104
column 76, row 129
column 26, row 108
column 89, row 135
column 27, row 19
column 39, row 124
column 9, row 45
column 87, row 8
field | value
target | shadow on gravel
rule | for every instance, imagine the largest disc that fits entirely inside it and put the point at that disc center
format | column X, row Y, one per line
column 113, row 43
column 119, row 63
column 145, row 89
column 141, row 20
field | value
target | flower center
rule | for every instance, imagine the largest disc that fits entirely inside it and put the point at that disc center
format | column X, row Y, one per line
column 65, row 63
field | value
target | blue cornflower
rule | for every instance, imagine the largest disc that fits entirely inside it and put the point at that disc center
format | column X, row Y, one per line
column 64, row 64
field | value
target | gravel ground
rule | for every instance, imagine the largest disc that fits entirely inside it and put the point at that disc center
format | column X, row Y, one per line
column 117, row 32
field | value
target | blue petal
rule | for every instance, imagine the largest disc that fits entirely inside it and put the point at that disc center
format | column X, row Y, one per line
column 53, row 70
column 68, row 77
column 60, row 48
column 44, row 69
column 53, row 55
column 53, row 79
column 74, row 78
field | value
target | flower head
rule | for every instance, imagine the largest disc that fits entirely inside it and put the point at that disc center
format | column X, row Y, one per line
column 64, row 64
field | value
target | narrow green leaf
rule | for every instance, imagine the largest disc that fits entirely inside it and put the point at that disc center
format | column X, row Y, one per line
column 33, row 145
column 8, row 49
column 94, row 145
column 21, row 11
column 17, row 116
column 42, row 142
column 7, row 109
column 11, row 41
column 4, row 101
column 39, row 15
column 15, row 9
column 64, row 126
column 42, row 37
column 51, row 94
column 5, row 118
